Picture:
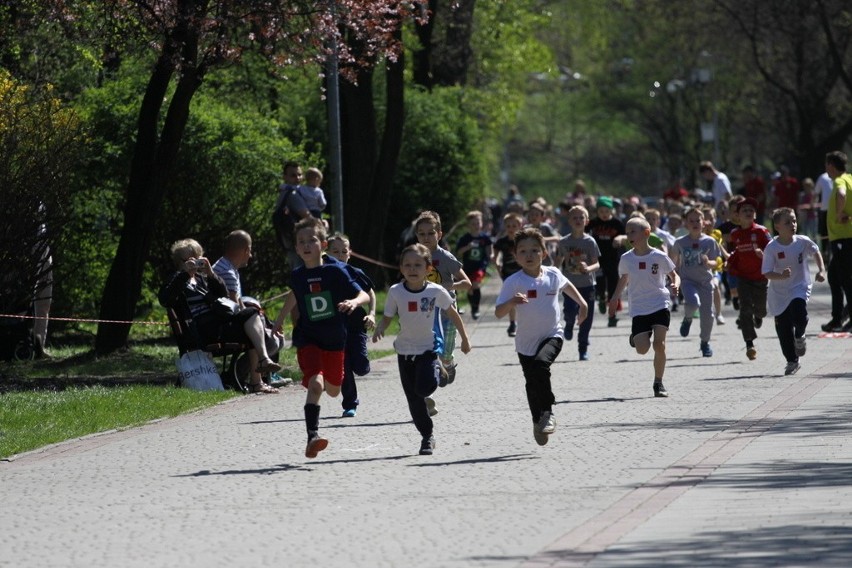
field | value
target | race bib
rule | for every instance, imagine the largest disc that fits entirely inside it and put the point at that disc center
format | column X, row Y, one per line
column 320, row 306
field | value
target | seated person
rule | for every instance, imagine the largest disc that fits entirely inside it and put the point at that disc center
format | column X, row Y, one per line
column 193, row 289
column 237, row 255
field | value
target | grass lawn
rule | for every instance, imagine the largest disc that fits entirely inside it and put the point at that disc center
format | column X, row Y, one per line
column 74, row 393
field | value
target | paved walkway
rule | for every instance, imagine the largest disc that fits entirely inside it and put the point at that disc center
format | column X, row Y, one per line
column 741, row 466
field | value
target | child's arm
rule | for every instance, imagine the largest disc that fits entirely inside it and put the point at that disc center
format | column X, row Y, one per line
column 675, row 281
column 783, row 275
column 461, row 281
column 454, row 316
column 619, row 289
column 820, row 275
column 586, row 268
column 571, row 291
column 346, row 306
column 370, row 318
column 289, row 304
column 380, row 329
column 506, row 307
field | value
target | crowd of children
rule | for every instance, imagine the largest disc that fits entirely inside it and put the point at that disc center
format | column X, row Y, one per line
column 657, row 258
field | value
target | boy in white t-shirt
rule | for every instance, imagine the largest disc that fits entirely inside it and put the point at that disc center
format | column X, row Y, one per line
column 642, row 271
column 534, row 293
column 785, row 265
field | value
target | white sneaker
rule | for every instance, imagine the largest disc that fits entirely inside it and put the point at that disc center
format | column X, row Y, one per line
column 801, row 346
column 720, row 319
column 430, row 406
column 547, row 423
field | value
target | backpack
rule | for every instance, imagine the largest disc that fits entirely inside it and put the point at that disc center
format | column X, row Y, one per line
column 282, row 219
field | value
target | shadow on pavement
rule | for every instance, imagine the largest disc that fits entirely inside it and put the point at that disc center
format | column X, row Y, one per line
column 495, row 459
column 786, row 545
column 608, row 399
column 257, row 471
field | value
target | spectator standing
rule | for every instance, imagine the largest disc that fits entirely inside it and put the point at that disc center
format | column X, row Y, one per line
column 289, row 207
column 840, row 237
column 721, row 185
column 823, row 187
column 755, row 188
column 312, row 194
column 786, row 190
column 807, row 213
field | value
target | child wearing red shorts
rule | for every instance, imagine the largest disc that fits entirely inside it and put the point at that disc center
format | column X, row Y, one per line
column 323, row 294
column 474, row 248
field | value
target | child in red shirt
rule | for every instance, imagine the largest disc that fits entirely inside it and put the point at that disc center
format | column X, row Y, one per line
column 747, row 244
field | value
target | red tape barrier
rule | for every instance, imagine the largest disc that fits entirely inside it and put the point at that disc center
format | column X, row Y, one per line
column 83, row 320
column 374, row 261
column 355, row 254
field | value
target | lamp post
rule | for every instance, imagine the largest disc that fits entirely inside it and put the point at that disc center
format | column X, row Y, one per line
column 335, row 152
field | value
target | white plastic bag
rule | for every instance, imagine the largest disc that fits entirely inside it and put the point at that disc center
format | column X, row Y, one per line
column 198, row 371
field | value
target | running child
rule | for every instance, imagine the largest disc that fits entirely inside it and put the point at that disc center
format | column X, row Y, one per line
column 696, row 255
column 420, row 305
column 577, row 256
column 534, row 292
column 322, row 293
column 785, row 265
column 642, row 272
column 711, row 231
column 605, row 228
column 747, row 244
column 504, row 258
column 449, row 274
column 358, row 322
column 474, row 247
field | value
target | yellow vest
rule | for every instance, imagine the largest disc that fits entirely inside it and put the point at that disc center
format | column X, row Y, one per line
column 837, row 230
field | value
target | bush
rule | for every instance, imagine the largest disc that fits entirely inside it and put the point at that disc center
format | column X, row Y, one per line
column 441, row 165
column 39, row 141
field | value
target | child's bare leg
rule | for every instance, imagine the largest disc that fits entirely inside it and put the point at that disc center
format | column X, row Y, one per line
column 512, row 315
column 316, row 386
column 642, row 341
column 331, row 390
column 659, row 351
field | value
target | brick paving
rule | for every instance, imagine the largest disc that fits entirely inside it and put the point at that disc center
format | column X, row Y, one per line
column 741, row 466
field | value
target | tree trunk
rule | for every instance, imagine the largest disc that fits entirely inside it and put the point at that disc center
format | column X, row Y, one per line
column 369, row 165
column 422, row 58
column 452, row 61
column 149, row 172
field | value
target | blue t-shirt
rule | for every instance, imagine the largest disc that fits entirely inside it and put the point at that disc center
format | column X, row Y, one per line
column 318, row 291
column 355, row 320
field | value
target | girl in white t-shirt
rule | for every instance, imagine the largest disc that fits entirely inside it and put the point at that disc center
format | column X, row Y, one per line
column 785, row 265
column 419, row 304
column 534, row 294
column 642, row 271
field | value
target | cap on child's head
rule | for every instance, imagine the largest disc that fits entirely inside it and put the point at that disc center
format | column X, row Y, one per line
column 751, row 202
column 604, row 201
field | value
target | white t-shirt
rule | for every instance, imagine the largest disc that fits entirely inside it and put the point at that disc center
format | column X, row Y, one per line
column 777, row 257
column 419, row 319
column 823, row 187
column 721, row 188
column 646, row 287
column 541, row 317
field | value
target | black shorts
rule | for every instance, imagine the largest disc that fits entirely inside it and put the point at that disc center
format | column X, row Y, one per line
column 644, row 324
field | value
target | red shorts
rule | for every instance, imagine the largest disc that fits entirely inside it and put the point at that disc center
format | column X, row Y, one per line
column 477, row 276
column 316, row 361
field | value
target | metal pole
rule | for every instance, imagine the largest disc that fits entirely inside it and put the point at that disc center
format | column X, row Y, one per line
column 335, row 154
